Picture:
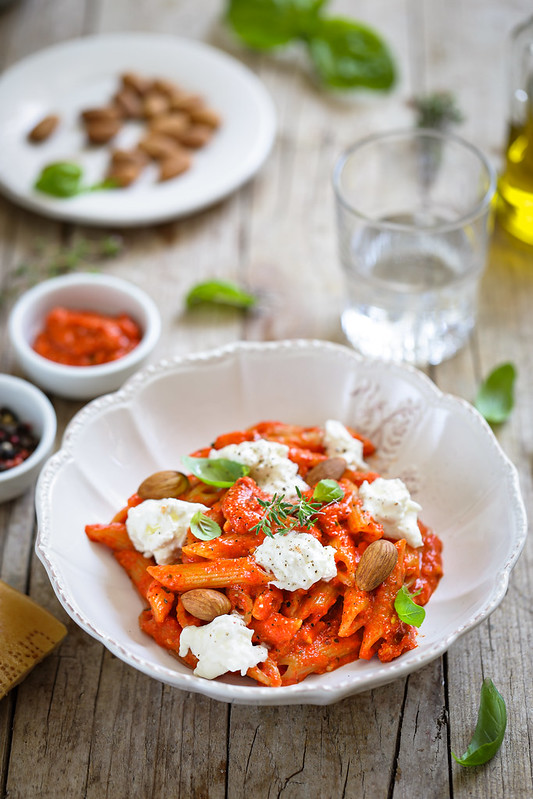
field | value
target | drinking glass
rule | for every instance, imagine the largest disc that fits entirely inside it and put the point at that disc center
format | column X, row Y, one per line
column 412, row 216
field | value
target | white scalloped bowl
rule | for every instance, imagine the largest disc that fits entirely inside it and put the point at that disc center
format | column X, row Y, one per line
column 438, row 444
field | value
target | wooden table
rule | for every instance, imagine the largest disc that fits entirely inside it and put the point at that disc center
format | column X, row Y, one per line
column 83, row 724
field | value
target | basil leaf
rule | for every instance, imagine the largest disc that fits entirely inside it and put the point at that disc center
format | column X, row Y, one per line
column 64, row 179
column 219, row 292
column 61, row 179
column 204, row 528
column 328, row 491
column 264, row 24
column 495, row 398
column 407, row 610
column 347, row 54
column 219, row 472
column 490, row 728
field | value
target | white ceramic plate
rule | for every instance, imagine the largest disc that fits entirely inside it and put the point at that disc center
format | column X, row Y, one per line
column 438, row 444
column 84, row 73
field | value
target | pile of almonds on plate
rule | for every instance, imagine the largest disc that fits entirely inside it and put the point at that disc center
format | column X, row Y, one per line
column 175, row 121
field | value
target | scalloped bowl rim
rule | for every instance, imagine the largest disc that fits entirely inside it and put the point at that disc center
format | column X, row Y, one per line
column 304, row 692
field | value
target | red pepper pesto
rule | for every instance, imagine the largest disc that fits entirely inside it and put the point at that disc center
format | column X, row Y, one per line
column 86, row 338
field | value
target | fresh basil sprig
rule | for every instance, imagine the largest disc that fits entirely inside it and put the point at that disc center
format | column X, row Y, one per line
column 490, row 728
column 328, row 491
column 65, row 179
column 407, row 610
column 219, row 472
column 344, row 53
column 219, row 292
column 204, row 528
column 495, row 397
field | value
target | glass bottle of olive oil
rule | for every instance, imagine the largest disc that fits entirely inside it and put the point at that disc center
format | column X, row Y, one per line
column 515, row 186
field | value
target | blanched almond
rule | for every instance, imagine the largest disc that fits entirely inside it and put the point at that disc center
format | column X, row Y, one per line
column 205, row 603
column 377, row 562
column 44, row 128
column 330, row 469
column 162, row 485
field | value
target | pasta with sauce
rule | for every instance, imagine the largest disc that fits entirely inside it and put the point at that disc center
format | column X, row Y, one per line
column 310, row 630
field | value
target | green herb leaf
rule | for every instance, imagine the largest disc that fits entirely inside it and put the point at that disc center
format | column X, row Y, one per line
column 204, row 528
column 264, row 24
column 219, row 472
column 277, row 515
column 328, row 491
column 64, row 179
column 347, row 55
column 407, row 610
column 490, row 728
column 61, row 179
column 282, row 516
column 495, row 398
column 437, row 110
column 219, row 292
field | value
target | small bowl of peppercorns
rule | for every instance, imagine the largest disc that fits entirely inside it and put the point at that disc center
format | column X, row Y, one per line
column 27, row 434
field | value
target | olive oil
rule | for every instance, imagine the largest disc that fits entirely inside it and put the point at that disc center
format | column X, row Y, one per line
column 515, row 186
column 514, row 200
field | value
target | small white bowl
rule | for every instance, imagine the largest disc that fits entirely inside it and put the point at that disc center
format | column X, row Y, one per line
column 33, row 407
column 85, row 291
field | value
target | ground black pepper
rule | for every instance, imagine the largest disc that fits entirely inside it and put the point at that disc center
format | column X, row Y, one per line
column 17, row 440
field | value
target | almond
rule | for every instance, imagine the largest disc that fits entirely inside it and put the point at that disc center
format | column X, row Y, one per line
column 173, row 165
column 330, row 469
column 377, row 562
column 205, row 116
column 124, row 174
column 103, row 130
column 165, row 86
column 205, row 603
column 162, row 485
column 158, row 146
column 196, row 136
column 137, row 83
column 44, row 128
column 128, row 103
column 103, row 114
column 183, row 101
column 171, row 125
column 155, row 104
column 135, row 156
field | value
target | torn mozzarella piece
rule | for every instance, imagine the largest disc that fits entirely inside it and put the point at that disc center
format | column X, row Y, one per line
column 269, row 465
column 297, row 560
column 225, row 644
column 158, row 527
column 390, row 504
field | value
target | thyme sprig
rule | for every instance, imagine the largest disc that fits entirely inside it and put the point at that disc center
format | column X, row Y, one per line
column 46, row 262
column 282, row 516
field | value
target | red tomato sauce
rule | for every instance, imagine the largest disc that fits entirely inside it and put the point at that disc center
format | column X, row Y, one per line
column 86, row 338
